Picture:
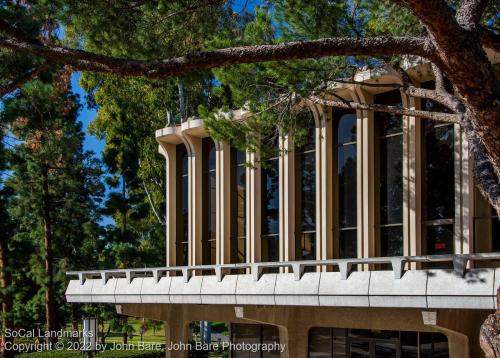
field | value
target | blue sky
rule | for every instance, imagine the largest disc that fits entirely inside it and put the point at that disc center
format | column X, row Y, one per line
column 87, row 115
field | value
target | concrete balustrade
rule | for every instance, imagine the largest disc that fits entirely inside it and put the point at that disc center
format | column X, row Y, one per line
column 433, row 288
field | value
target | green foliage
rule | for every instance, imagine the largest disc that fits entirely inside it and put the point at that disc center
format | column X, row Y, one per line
column 42, row 116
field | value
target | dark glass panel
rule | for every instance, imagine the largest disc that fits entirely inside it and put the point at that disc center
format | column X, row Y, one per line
column 346, row 131
column 182, row 206
column 238, row 205
column 270, row 197
column 389, row 123
column 238, row 250
column 409, row 345
column 348, row 243
column 320, row 342
column 245, row 333
column 360, row 333
column 440, row 346
column 391, row 241
column 439, row 239
column 308, row 191
column 385, row 350
column 347, row 185
column 270, row 248
column 339, row 344
column 270, row 335
column 391, row 180
column 439, row 171
column 359, row 349
column 425, row 345
column 307, row 246
column 209, row 201
column 495, row 232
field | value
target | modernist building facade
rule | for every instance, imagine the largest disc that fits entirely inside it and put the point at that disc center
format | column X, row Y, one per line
column 378, row 242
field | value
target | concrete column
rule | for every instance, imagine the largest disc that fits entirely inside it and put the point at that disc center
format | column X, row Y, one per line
column 414, row 182
column 223, row 202
column 169, row 151
column 253, row 209
column 195, row 199
column 287, row 184
column 407, row 174
column 367, row 175
column 324, row 183
column 295, row 338
column 176, row 337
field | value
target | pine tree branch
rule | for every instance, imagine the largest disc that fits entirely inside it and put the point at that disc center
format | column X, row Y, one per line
column 198, row 61
column 437, row 116
column 18, row 82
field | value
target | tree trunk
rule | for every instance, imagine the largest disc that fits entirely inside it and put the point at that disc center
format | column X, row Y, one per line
column 50, row 314
column 5, row 283
column 489, row 335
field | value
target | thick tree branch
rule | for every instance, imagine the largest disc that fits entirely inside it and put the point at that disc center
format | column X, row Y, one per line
column 489, row 39
column 486, row 179
column 469, row 13
column 16, row 33
column 437, row 116
column 18, row 82
column 342, row 46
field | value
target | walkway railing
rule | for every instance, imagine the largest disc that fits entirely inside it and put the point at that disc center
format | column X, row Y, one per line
column 344, row 265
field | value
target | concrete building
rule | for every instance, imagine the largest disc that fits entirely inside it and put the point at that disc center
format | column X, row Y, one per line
column 368, row 240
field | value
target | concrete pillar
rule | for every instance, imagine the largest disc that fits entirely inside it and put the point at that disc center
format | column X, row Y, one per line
column 195, row 199
column 287, row 200
column 324, row 183
column 176, row 338
column 223, row 202
column 295, row 339
column 414, row 181
column 253, row 209
column 407, row 164
column 169, row 151
column 367, row 173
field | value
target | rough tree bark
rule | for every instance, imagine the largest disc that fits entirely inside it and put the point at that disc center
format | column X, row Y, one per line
column 489, row 335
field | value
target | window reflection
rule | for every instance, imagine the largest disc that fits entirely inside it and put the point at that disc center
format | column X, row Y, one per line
column 209, row 202
column 182, row 206
column 270, row 204
column 238, row 209
column 390, row 167
column 439, row 180
column 305, row 160
column 342, row 343
column 347, row 183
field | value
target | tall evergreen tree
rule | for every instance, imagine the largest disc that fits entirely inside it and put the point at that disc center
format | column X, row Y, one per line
column 56, row 185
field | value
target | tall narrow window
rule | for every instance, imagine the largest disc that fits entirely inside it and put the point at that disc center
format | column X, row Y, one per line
column 270, row 204
column 209, row 202
column 306, row 193
column 439, row 182
column 238, row 203
column 181, row 242
column 346, row 184
column 390, row 166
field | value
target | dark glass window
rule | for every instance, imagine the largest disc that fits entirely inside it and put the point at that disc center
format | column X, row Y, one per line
column 182, row 206
column 439, row 183
column 270, row 204
column 238, row 205
column 254, row 334
column 306, row 193
column 495, row 231
column 346, row 138
column 343, row 343
column 390, row 166
column 209, row 202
